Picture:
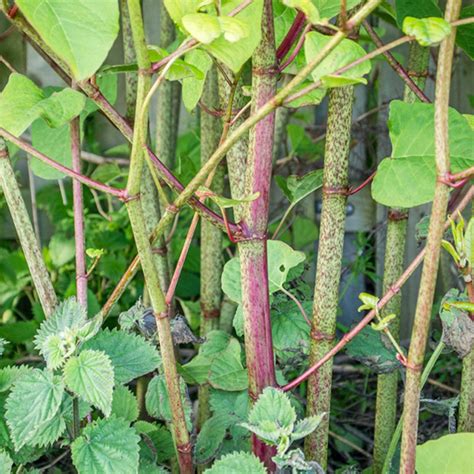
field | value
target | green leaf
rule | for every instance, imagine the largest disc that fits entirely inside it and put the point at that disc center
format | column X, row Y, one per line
column 50, row 432
column 313, row 97
column 10, row 374
column 411, row 129
column 465, row 33
column 369, row 349
column 306, row 426
column 232, row 403
column 179, row 8
column 296, row 188
column 81, row 34
column 446, row 455
column 107, row 446
column 193, row 87
column 331, row 8
column 346, row 52
column 6, row 463
column 305, row 6
column 61, row 250
column 18, row 332
column 17, row 104
column 124, row 404
column 233, row 29
column 131, row 355
column 160, row 437
column 237, row 462
column 33, row 402
column 427, row 31
column 416, row 9
column 227, row 371
column 202, row 27
column 235, row 53
column 91, row 376
column 157, row 400
column 211, row 436
column 225, row 202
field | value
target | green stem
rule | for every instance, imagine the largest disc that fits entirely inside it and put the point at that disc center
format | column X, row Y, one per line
column 145, row 253
column 211, row 236
column 26, row 233
column 387, row 384
column 328, row 271
column 433, row 246
column 398, row 430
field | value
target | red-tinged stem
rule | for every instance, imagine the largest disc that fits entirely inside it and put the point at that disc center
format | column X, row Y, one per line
column 78, row 210
column 119, row 193
column 291, row 36
column 362, row 185
column 396, row 66
column 253, row 252
column 182, row 258
column 383, row 301
column 296, row 49
column 424, row 305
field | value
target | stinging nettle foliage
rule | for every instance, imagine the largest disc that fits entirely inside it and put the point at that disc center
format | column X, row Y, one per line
column 132, row 344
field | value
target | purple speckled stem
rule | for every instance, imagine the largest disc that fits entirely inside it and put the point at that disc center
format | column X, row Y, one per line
column 78, row 209
column 253, row 252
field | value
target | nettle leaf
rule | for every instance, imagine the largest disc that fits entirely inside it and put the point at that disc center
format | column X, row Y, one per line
column 91, row 376
column 306, row 426
column 427, row 31
column 346, row 52
column 192, row 87
column 412, row 133
column 272, row 417
column 226, row 371
column 296, row 188
column 306, row 6
column 416, row 9
column 106, row 446
column 50, row 432
column 33, row 402
column 237, row 462
column 80, row 33
column 446, row 454
column 465, row 33
column 6, row 463
column 160, row 438
column 132, row 356
column 281, row 259
column 9, row 375
column 22, row 102
column 157, row 401
column 124, row 404
column 211, row 436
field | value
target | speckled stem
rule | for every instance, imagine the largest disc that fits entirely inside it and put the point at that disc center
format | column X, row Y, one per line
column 253, row 252
column 26, row 234
column 145, row 253
column 387, row 384
column 328, row 270
column 211, row 236
column 466, row 399
column 433, row 245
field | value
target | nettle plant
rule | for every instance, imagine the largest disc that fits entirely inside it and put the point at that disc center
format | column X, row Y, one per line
column 148, row 389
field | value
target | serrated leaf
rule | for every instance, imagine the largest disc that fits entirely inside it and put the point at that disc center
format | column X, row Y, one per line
column 90, row 375
column 157, row 400
column 81, row 34
column 160, row 437
column 232, row 403
column 346, row 52
column 211, row 436
column 33, row 401
column 50, row 432
column 226, row 371
column 236, row 463
column 306, row 426
column 124, row 404
column 427, row 31
column 9, row 375
column 6, row 463
column 131, row 355
column 107, row 446
column 446, row 455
